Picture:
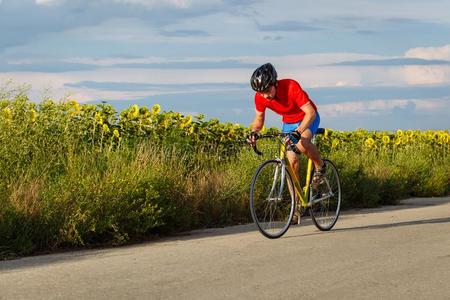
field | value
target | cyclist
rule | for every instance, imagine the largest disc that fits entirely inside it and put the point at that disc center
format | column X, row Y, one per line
column 299, row 114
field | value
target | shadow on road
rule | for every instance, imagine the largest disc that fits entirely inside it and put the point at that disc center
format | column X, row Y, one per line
column 70, row 255
column 412, row 203
column 376, row 226
column 399, row 224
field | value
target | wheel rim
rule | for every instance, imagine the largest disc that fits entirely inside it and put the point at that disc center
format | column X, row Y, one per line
column 272, row 205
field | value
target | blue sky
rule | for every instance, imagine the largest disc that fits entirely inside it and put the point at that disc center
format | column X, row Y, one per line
column 366, row 64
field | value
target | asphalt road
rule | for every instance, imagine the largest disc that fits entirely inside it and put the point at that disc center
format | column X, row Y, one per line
column 398, row 252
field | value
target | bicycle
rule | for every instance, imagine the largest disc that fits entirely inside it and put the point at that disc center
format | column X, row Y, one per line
column 276, row 188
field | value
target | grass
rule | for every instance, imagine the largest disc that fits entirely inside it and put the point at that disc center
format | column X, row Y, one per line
column 67, row 181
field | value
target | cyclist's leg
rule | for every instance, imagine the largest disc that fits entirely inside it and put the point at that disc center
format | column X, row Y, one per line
column 291, row 155
column 307, row 147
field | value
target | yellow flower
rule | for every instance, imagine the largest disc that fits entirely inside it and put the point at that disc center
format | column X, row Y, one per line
column 335, row 143
column 398, row 141
column 410, row 133
column 74, row 107
column 435, row 136
column 134, row 111
column 73, row 103
column 188, row 120
column 327, row 133
column 369, row 142
column 447, row 138
column 98, row 118
column 33, row 115
column 156, row 109
column 116, row 133
column 385, row 139
column 231, row 133
column 166, row 122
column 400, row 133
column 7, row 113
column 105, row 128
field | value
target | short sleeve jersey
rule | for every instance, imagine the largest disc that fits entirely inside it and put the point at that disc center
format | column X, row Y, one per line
column 289, row 99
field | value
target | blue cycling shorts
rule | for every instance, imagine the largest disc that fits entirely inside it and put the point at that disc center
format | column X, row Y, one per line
column 289, row 127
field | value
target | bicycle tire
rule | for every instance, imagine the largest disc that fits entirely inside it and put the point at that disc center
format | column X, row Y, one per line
column 325, row 213
column 272, row 201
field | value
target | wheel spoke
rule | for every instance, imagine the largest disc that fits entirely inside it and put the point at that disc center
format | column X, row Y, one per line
column 325, row 212
column 271, row 201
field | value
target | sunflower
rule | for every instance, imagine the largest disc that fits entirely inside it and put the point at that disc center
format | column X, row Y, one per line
column 7, row 113
column 370, row 142
column 335, row 143
column 410, row 133
column 73, row 103
column 33, row 115
column 156, row 109
column 105, row 128
column 134, row 111
column 447, row 138
column 98, row 118
column 187, row 121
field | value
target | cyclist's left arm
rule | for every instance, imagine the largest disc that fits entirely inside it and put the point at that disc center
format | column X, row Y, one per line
column 310, row 115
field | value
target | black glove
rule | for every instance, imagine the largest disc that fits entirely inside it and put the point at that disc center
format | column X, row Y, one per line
column 295, row 136
column 252, row 137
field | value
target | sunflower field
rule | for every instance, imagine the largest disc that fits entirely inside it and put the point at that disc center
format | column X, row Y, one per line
column 74, row 175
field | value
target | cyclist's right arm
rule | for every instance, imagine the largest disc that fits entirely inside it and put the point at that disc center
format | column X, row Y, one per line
column 258, row 122
column 257, row 125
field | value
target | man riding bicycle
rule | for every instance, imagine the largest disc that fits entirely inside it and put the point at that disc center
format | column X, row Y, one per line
column 299, row 114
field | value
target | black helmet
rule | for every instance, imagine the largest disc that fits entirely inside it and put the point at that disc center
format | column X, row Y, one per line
column 263, row 77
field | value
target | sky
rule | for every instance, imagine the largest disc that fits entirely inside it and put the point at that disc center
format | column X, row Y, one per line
column 379, row 65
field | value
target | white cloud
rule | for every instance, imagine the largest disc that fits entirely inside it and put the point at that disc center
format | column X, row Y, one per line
column 381, row 107
column 48, row 2
column 415, row 75
column 429, row 52
column 173, row 3
column 316, row 59
column 110, row 61
column 297, row 67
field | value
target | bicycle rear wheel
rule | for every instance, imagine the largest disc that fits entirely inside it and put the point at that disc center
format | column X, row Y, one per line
column 325, row 199
column 272, row 200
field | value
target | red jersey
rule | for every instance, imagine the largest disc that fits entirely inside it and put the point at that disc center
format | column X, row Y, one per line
column 287, row 102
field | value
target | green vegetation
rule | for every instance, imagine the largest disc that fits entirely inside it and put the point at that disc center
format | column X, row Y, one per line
column 75, row 175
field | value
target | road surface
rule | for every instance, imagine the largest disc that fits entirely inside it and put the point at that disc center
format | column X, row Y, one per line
column 394, row 252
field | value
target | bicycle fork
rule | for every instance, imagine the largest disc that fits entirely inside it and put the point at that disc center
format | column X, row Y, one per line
column 273, row 190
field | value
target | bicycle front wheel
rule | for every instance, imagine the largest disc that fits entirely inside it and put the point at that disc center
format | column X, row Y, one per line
column 325, row 198
column 272, row 200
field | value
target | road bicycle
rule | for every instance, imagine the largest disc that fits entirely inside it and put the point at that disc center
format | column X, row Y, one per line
column 276, row 193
